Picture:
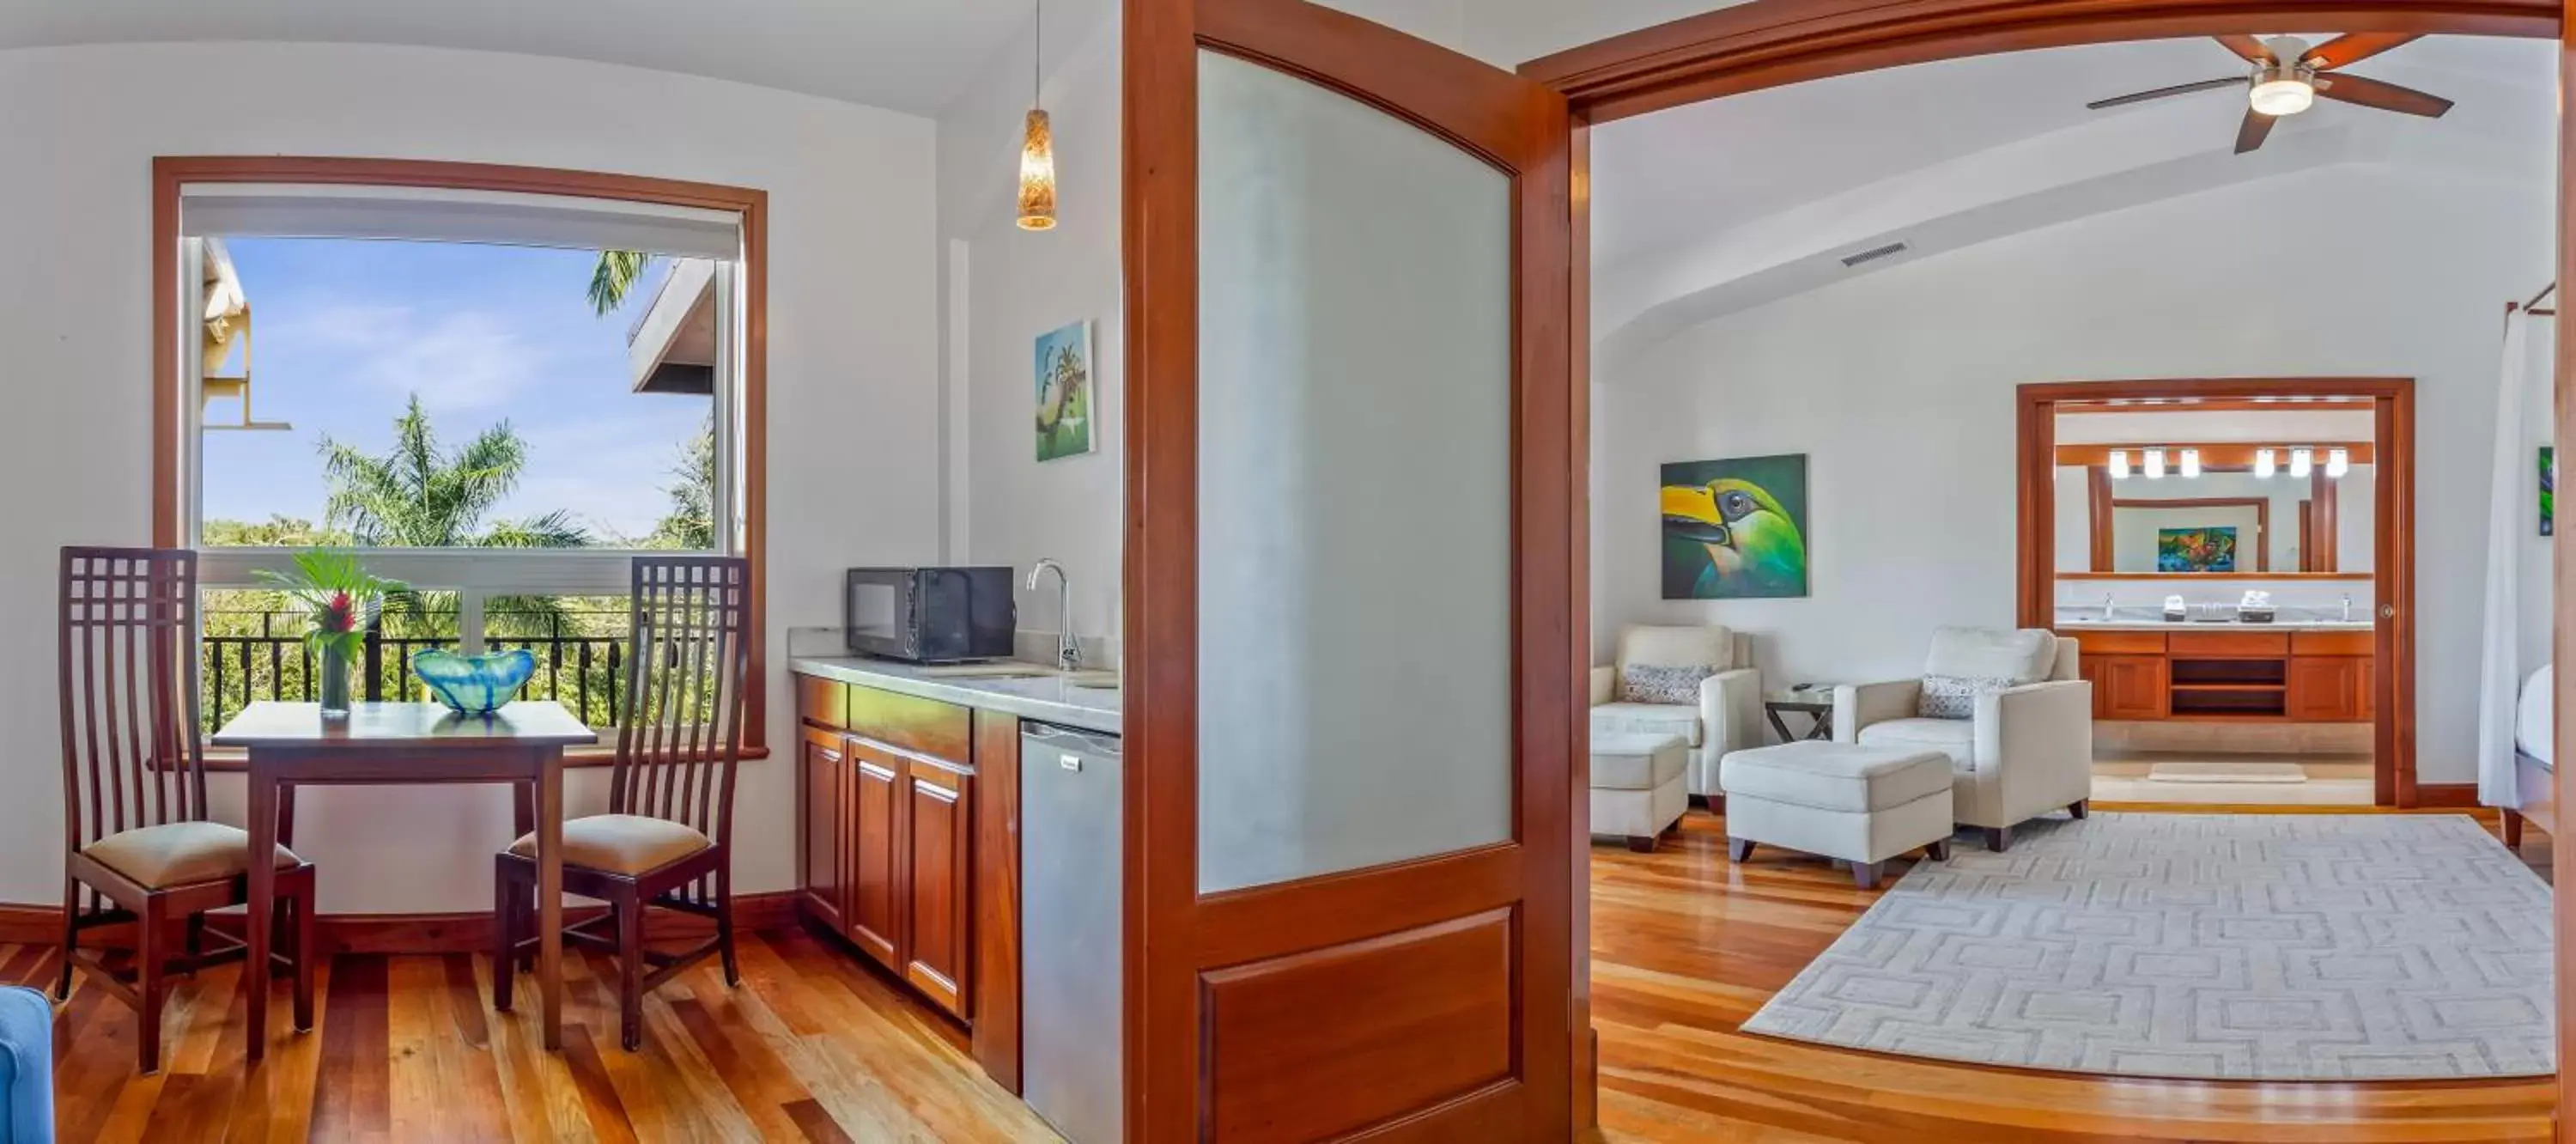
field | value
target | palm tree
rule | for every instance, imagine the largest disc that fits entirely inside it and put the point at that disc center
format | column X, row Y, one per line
column 691, row 523
column 617, row 273
column 420, row 495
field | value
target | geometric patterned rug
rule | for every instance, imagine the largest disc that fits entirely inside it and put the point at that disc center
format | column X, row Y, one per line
column 2222, row 946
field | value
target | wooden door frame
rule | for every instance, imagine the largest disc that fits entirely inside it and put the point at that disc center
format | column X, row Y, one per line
column 1771, row 43
column 1183, row 948
column 2392, row 401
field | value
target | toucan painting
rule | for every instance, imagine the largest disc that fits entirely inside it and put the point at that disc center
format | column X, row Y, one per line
column 1735, row 529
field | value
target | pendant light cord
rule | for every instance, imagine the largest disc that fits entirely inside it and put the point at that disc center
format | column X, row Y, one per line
column 1037, row 58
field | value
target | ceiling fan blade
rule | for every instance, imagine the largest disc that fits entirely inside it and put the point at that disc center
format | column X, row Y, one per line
column 2384, row 96
column 2344, row 51
column 2247, row 46
column 2250, row 135
column 2160, row 93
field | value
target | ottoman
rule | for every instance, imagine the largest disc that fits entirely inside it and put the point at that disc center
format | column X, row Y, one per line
column 1638, row 785
column 1863, row 805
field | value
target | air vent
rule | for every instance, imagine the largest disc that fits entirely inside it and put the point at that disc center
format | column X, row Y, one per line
column 1873, row 255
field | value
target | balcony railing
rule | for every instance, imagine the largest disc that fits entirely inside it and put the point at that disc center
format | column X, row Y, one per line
column 253, row 655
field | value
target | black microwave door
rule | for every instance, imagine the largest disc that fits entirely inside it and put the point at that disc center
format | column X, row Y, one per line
column 947, row 614
column 880, row 614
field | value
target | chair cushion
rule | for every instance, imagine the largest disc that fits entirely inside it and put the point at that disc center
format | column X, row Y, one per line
column 1834, row 776
column 2023, row 656
column 179, row 853
column 620, row 843
column 1638, row 761
column 1647, row 719
column 1697, row 645
column 1956, row 738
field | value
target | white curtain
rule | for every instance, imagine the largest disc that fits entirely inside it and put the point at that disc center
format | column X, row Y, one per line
column 2500, row 669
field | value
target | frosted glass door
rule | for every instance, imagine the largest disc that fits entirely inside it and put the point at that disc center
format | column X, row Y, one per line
column 1354, row 482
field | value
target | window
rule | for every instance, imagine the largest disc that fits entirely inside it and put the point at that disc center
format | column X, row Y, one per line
column 499, row 396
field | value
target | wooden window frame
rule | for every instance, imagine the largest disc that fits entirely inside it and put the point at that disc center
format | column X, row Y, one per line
column 170, row 476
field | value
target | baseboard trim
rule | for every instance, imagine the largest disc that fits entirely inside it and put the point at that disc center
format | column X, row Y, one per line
column 2447, row 795
column 406, row 933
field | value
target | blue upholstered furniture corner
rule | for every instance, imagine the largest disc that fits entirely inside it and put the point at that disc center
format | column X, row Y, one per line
column 26, row 1067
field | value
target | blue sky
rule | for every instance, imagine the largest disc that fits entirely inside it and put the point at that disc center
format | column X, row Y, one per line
column 345, row 330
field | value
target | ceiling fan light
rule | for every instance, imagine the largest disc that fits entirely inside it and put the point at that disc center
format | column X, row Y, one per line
column 2119, row 464
column 2280, row 93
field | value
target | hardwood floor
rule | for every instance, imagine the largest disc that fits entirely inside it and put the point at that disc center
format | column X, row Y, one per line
column 811, row 1047
column 1685, row 948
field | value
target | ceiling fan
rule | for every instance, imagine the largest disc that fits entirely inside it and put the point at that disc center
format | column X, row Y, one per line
column 2288, row 76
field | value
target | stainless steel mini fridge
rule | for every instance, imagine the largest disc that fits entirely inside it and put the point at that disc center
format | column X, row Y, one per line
column 1071, row 883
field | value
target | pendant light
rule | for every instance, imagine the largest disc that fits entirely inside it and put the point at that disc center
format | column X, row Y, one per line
column 2119, row 464
column 2155, row 464
column 2338, row 462
column 2265, row 464
column 2190, row 463
column 1037, row 143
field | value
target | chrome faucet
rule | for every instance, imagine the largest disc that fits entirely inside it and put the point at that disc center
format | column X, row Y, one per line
column 1068, row 655
column 2347, row 607
column 2106, row 607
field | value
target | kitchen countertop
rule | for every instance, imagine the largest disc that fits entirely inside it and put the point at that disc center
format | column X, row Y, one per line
column 1046, row 698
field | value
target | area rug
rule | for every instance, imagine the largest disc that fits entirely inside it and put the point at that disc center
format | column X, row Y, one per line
column 2233, row 947
column 2227, row 772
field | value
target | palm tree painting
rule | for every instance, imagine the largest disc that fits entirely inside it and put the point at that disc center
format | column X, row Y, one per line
column 1064, row 392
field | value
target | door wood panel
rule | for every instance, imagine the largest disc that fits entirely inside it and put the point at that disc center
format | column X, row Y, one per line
column 1392, row 1025
column 939, row 836
column 876, row 853
column 2132, row 687
column 1304, row 1010
column 822, row 845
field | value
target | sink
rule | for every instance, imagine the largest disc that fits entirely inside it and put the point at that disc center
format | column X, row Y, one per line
column 1092, row 680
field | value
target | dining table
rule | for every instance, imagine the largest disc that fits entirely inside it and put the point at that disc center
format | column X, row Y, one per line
column 402, row 744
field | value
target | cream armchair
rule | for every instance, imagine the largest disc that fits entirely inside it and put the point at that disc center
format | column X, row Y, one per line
column 2026, row 749
column 1728, row 716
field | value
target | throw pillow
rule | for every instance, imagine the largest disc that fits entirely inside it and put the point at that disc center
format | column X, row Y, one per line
column 1955, row 696
column 1661, row 683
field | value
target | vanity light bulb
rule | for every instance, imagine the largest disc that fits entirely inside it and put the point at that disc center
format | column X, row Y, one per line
column 2264, row 465
column 2301, row 463
column 2155, row 464
column 2338, row 462
column 2119, row 464
column 2190, row 463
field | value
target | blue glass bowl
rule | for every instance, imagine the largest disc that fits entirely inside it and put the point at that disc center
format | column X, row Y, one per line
column 474, row 684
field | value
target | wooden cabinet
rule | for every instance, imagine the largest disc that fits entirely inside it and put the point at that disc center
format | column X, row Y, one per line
column 822, row 863
column 2129, row 686
column 2331, row 688
column 938, row 837
column 875, row 846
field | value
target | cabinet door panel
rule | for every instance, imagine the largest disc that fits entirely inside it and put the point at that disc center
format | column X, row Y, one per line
column 823, row 831
column 876, row 855
column 936, row 918
column 2323, row 688
column 2134, row 687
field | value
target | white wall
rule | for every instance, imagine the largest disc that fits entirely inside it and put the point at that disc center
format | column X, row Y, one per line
column 1900, row 386
column 1018, row 284
column 853, row 399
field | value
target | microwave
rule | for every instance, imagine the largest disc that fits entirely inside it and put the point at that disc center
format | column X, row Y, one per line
column 930, row 615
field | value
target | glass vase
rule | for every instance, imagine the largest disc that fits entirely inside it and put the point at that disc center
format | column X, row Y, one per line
column 335, row 684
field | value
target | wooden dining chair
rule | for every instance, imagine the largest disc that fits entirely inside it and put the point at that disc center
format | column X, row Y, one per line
column 135, row 831
column 667, row 837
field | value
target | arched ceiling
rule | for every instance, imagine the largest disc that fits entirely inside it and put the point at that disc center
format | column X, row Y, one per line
column 905, row 55
column 1724, row 205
